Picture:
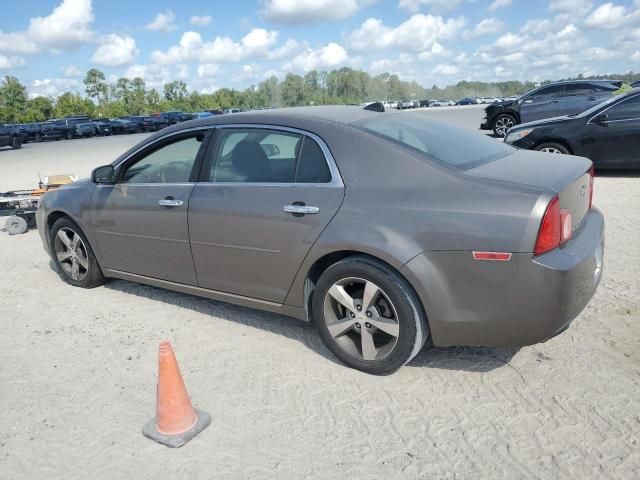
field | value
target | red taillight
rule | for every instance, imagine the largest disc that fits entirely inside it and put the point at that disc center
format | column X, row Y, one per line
column 592, row 177
column 556, row 228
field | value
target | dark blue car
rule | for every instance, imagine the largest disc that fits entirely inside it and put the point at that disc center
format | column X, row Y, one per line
column 551, row 100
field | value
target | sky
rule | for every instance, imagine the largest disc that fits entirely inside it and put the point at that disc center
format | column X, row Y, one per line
column 50, row 44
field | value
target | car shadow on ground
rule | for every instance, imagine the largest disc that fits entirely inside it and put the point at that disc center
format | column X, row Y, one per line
column 472, row 359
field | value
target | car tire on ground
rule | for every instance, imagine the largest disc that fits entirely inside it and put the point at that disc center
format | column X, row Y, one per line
column 16, row 142
column 552, row 147
column 74, row 259
column 69, row 135
column 37, row 138
column 378, row 338
column 16, row 225
column 502, row 124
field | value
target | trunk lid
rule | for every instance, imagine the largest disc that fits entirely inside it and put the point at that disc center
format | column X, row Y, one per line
column 565, row 175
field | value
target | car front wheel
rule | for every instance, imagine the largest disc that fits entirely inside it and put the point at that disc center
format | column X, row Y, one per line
column 552, row 147
column 73, row 256
column 502, row 124
column 368, row 316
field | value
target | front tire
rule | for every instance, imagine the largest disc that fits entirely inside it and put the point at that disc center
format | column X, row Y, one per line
column 502, row 124
column 552, row 147
column 16, row 142
column 73, row 256
column 368, row 316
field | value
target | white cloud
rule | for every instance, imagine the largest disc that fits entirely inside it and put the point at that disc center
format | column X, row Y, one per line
column 11, row 63
column 438, row 5
column 68, row 26
column 418, row 33
column 256, row 43
column 162, row 22
column 72, row 72
column 183, row 72
column 53, row 87
column 636, row 56
column 610, row 16
column 330, row 56
column 297, row 12
column 200, row 20
column 443, row 69
column 116, row 51
column 499, row 4
column 208, row 70
column 155, row 76
column 486, row 26
column 580, row 7
column 288, row 49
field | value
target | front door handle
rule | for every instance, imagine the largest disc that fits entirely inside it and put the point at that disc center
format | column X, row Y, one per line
column 171, row 202
column 301, row 209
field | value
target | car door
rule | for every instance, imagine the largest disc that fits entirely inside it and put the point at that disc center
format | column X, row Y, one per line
column 542, row 103
column 5, row 138
column 576, row 98
column 141, row 222
column 616, row 137
column 265, row 196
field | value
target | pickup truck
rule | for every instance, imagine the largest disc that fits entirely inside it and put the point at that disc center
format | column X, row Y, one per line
column 10, row 137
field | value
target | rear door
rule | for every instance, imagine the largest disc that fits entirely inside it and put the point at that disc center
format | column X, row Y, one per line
column 616, row 141
column 264, row 197
column 543, row 103
column 5, row 138
column 577, row 98
column 141, row 221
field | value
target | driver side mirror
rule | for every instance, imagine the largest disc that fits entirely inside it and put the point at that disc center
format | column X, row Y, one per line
column 602, row 119
column 105, row 175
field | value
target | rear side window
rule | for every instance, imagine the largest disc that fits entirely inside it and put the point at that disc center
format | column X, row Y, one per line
column 629, row 109
column 577, row 89
column 312, row 164
column 442, row 142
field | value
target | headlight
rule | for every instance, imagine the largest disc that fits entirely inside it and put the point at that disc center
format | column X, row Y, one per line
column 517, row 135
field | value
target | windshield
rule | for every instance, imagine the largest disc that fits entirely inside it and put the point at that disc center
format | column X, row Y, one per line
column 443, row 142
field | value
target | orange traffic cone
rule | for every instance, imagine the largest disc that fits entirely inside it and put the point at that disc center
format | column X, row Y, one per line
column 176, row 420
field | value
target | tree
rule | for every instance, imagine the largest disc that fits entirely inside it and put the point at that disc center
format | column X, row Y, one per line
column 95, row 84
column 39, row 109
column 175, row 90
column 293, row 90
column 137, row 96
column 73, row 104
column 13, row 99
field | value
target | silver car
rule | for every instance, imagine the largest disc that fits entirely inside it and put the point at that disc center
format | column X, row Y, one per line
column 386, row 230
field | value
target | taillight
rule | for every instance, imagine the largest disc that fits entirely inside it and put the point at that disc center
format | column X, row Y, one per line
column 591, row 179
column 555, row 229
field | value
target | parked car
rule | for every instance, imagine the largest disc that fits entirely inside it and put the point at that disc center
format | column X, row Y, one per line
column 10, row 136
column 232, row 110
column 552, row 100
column 31, row 132
column 84, row 129
column 174, row 117
column 442, row 103
column 121, row 126
column 608, row 134
column 102, row 126
column 72, row 127
column 455, row 241
column 201, row 115
column 467, row 101
column 153, row 124
column 53, row 130
column 425, row 103
column 636, row 84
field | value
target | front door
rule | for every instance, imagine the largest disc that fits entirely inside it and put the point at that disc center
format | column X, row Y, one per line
column 265, row 196
column 141, row 221
column 617, row 139
column 543, row 103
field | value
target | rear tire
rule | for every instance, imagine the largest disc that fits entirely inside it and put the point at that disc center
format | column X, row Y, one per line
column 553, row 147
column 38, row 138
column 16, row 142
column 502, row 124
column 73, row 256
column 69, row 135
column 16, row 225
column 378, row 333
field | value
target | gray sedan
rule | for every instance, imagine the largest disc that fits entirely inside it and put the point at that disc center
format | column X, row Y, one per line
column 386, row 230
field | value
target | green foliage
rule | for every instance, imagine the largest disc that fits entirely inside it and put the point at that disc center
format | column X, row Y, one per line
column 343, row 86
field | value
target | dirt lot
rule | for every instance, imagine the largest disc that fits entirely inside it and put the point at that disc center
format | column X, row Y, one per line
column 77, row 378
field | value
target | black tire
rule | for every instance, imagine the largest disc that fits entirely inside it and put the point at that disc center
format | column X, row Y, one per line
column 37, row 138
column 553, row 147
column 16, row 142
column 93, row 277
column 411, row 319
column 502, row 123
column 16, row 225
column 69, row 135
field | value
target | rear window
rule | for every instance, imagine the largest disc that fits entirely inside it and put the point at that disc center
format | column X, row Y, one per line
column 442, row 142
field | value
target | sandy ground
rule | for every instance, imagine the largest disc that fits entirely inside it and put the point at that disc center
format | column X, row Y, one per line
column 77, row 379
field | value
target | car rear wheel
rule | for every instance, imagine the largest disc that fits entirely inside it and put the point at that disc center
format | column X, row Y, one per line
column 552, row 147
column 69, row 135
column 368, row 316
column 16, row 225
column 38, row 138
column 73, row 256
column 502, row 124
column 16, row 142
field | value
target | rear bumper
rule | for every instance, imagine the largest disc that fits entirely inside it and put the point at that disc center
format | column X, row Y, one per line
column 521, row 302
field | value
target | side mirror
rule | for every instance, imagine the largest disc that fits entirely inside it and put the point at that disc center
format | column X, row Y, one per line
column 602, row 119
column 105, row 175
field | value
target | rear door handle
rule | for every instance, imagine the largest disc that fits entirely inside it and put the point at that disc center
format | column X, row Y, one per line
column 301, row 209
column 171, row 202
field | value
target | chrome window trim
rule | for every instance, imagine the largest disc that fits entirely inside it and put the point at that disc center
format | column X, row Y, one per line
column 614, row 104
column 336, row 178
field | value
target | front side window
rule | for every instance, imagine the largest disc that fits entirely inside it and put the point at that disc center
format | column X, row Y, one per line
column 171, row 163
column 628, row 109
column 255, row 155
column 547, row 93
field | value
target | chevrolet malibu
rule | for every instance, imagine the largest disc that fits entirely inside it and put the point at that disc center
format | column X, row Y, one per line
column 386, row 230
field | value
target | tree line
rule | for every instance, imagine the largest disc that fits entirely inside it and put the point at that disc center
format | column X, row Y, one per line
column 342, row 86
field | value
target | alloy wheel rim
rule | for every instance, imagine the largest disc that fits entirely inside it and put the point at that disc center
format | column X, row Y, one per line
column 550, row 150
column 361, row 319
column 503, row 125
column 71, row 253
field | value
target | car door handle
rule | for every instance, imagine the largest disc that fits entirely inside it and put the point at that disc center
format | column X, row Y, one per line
column 170, row 202
column 301, row 209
